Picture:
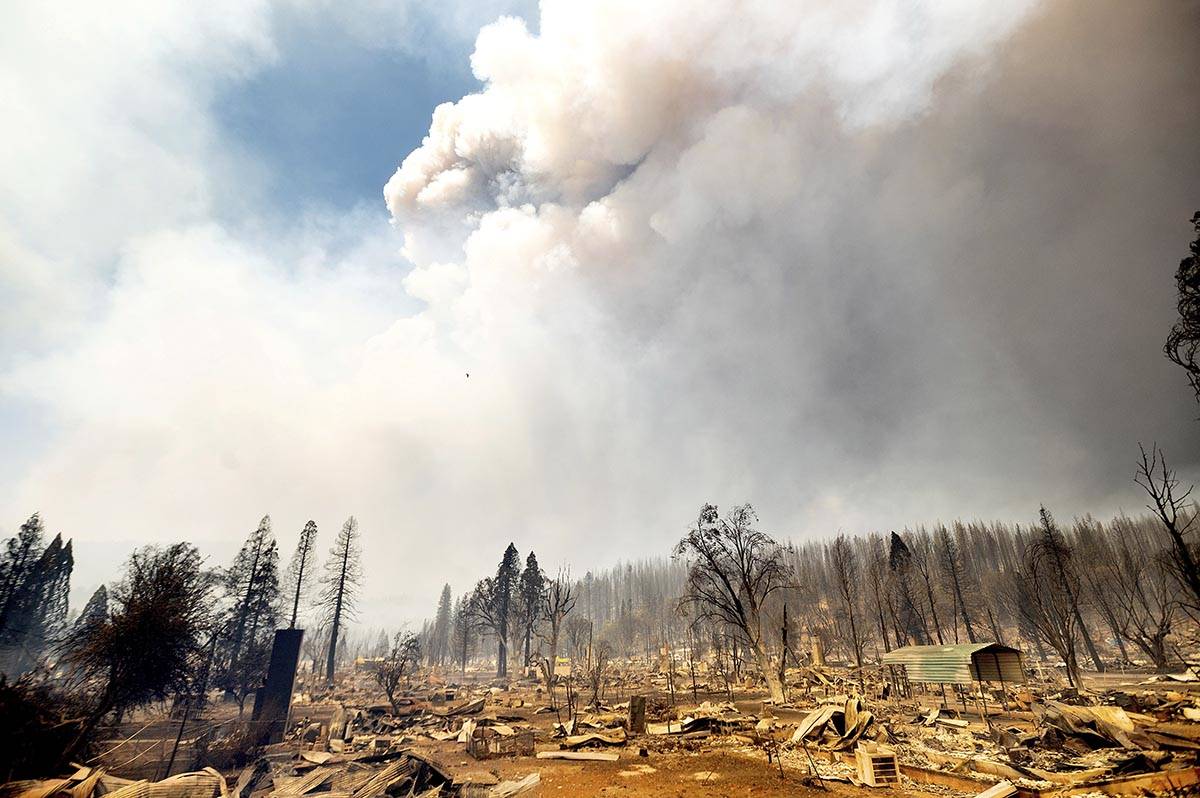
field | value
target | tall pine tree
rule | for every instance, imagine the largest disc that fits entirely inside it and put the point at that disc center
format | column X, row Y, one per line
column 95, row 611
column 44, row 609
column 439, row 638
column 343, row 575
column 912, row 623
column 299, row 573
column 492, row 604
column 34, row 584
column 252, row 583
column 17, row 572
column 463, row 635
column 530, row 590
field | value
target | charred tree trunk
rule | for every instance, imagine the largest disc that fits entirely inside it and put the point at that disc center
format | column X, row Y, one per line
column 335, row 627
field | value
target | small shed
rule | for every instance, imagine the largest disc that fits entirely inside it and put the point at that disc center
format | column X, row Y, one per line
column 959, row 664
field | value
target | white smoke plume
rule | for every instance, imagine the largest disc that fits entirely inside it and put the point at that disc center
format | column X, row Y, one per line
column 863, row 264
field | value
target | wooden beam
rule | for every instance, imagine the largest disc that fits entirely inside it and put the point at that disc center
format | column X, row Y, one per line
column 955, row 781
column 1162, row 782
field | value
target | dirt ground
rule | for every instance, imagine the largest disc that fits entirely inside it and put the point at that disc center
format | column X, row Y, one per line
column 670, row 766
column 704, row 774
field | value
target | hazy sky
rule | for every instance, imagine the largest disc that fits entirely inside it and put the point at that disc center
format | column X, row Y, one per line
column 864, row 265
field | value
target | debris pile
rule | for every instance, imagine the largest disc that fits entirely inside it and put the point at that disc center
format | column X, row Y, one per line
column 88, row 782
column 850, row 725
column 835, row 725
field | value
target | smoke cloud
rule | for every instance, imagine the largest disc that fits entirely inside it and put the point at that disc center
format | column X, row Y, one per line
column 866, row 264
column 861, row 264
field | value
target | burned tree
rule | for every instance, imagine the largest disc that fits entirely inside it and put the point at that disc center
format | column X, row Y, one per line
column 492, row 604
column 299, row 573
column 578, row 634
column 1177, row 519
column 924, row 565
column 487, row 610
column 94, row 612
column 989, row 558
column 400, row 660
column 439, row 635
column 343, row 575
column 150, row 646
column 1183, row 342
column 596, row 666
column 1103, row 572
column 1141, row 592
column 34, row 583
column 952, row 572
column 846, row 576
column 253, row 582
column 733, row 570
column 908, row 621
column 877, row 580
column 463, row 636
column 314, row 647
column 1054, row 545
column 244, row 581
column 695, row 652
column 558, row 600
column 17, row 570
column 1042, row 594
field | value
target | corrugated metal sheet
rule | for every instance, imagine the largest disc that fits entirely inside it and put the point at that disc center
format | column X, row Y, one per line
column 998, row 664
column 960, row 664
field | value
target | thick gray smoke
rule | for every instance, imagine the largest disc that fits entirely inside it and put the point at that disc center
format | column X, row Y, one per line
column 863, row 264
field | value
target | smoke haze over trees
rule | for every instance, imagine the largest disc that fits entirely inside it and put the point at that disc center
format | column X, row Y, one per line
column 860, row 596
column 859, row 295
column 891, row 293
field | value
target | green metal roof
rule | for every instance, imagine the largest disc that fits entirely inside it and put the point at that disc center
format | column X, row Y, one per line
column 958, row 664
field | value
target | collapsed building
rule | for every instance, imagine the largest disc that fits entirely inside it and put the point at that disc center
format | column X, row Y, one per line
column 946, row 720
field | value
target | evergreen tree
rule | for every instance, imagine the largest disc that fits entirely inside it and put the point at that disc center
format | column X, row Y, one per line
column 1055, row 546
column 492, row 604
column 253, row 584
column 463, row 636
column 439, row 643
column 299, row 573
column 45, row 604
column 16, row 572
column 954, row 575
column 94, row 612
column 1183, row 343
column 343, row 575
column 34, row 585
column 382, row 644
column 530, row 590
column 911, row 622
column 508, row 576
column 150, row 645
